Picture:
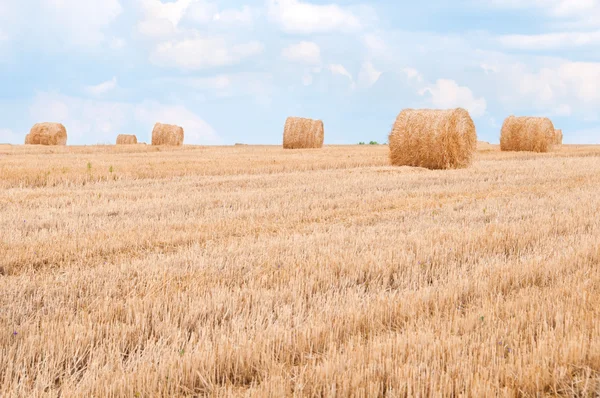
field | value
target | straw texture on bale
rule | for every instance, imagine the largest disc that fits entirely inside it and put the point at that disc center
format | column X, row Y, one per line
column 433, row 139
column 558, row 137
column 126, row 139
column 533, row 134
column 167, row 134
column 47, row 134
column 300, row 133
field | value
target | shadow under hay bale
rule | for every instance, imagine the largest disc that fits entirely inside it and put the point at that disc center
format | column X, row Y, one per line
column 433, row 139
column 126, row 139
column 302, row 133
column 531, row 134
column 47, row 134
column 167, row 134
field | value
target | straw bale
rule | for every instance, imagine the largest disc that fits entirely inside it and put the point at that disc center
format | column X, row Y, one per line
column 300, row 133
column 533, row 134
column 125, row 139
column 558, row 137
column 167, row 134
column 434, row 139
column 47, row 134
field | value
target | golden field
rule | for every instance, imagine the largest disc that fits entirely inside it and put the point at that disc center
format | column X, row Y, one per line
column 143, row 271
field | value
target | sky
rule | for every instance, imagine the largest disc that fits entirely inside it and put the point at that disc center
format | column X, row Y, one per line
column 232, row 71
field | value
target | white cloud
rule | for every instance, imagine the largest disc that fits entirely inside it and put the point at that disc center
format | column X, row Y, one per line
column 447, row 94
column 368, row 75
column 579, row 13
column 200, row 53
column 337, row 69
column 243, row 16
column 117, row 43
column 489, row 68
column 304, row 52
column 413, row 74
column 294, row 16
column 102, row 88
column 550, row 41
column 572, row 84
column 307, row 79
column 101, row 121
column 172, row 11
column 81, row 23
column 161, row 19
column 374, row 43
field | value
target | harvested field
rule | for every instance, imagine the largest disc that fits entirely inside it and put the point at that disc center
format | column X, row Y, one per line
column 256, row 271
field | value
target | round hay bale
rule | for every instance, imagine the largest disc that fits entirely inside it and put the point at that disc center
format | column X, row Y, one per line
column 47, row 134
column 301, row 133
column 434, row 139
column 125, row 139
column 167, row 134
column 533, row 134
column 558, row 137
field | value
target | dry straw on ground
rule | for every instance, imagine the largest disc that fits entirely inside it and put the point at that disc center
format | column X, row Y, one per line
column 558, row 137
column 47, row 134
column 126, row 139
column 533, row 134
column 167, row 134
column 434, row 139
column 301, row 133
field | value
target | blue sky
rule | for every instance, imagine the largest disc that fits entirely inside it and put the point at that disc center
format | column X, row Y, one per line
column 232, row 71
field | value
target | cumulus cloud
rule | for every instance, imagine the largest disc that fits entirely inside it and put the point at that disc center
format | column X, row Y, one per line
column 103, row 87
column 447, row 93
column 295, row 16
column 202, row 53
column 561, row 89
column 304, row 52
column 81, row 23
column 550, row 41
column 243, row 16
column 101, row 121
column 368, row 75
column 413, row 74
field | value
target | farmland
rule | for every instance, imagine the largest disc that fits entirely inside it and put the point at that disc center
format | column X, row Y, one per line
column 254, row 271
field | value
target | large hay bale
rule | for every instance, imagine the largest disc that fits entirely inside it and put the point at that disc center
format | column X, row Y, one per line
column 300, row 133
column 167, row 134
column 534, row 134
column 47, row 134
column 125, row 139
column 434, row 139
column 558, row 137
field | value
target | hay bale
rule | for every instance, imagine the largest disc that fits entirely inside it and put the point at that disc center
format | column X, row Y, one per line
column 167, row 134
column 534, row 134
column 125, row 139
column 558, row 137
column 300, row 133
column 434, row 139
column 47, row 134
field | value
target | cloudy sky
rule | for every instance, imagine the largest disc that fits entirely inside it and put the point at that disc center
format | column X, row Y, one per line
column 231, row 71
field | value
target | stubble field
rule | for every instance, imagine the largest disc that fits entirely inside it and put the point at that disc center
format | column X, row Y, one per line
column 254, row 271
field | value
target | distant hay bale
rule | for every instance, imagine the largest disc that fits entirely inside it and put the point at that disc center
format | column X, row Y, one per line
column 533, row 134
column 434, row 139
column 558, row 137
column 167, row 134
column 302, row 133
column 126, row 139
column 47, row 134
